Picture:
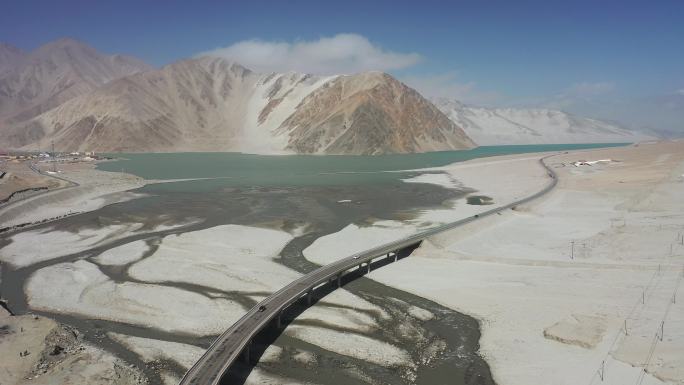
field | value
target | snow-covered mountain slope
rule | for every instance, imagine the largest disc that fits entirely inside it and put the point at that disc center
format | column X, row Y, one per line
column 499, row 126
column 211, row 104
column 33, row 83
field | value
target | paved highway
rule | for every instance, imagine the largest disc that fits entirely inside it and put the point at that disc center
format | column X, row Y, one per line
column 226, row 349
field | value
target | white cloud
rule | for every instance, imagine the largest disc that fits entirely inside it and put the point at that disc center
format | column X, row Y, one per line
column 339, row 54
column 447, row 85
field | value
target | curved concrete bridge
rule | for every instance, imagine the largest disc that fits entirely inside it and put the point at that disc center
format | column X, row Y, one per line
column 235, row 341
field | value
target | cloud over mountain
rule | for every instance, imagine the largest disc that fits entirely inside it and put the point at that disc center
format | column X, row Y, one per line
column 342, row 53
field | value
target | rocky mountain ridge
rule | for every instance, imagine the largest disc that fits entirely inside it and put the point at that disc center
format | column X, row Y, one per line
column 212, row 104
column 35, row 82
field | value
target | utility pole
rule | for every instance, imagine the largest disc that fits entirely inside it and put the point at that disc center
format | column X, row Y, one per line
column 572, row 249
column 54, row 158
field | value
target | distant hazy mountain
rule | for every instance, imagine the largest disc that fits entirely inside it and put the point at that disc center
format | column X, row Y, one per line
column 498, row 126
column 33, row 83
column 211, row 104
column 10, row 57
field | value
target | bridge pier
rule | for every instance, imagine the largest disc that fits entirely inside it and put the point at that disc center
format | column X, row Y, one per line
column 369, row 266
column 395, row 256
column 339, row 280
column 278, row 320
column 308, row 297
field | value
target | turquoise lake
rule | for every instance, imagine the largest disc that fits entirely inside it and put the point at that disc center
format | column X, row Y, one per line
column 237, row 169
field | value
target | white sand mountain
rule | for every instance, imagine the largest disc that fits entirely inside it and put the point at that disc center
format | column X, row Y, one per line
column 33, row 83
column 211, row 104
column 497, row 126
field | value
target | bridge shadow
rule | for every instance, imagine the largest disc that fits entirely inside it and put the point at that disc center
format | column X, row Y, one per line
column 238, row 373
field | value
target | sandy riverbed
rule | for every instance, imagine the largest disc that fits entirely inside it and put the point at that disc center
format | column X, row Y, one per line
column 503, row 179
column 229, row 268
column 547, row 318
column 142, row 274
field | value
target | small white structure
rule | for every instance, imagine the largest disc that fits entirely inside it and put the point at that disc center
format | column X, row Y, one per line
column 590, row 162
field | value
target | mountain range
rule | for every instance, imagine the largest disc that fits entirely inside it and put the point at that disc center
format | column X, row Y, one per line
column 32, row 83
column 496, row 126
column 68, row 93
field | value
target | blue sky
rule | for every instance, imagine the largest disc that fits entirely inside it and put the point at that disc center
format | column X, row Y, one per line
column 618, row 60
